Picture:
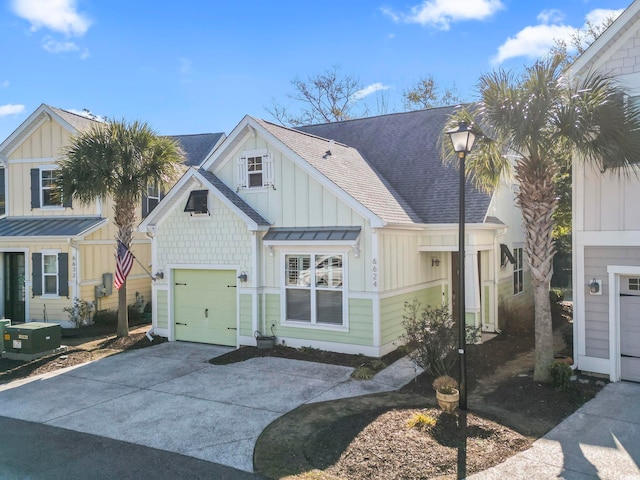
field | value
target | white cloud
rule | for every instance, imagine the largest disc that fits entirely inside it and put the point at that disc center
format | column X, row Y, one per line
column 56, row 15
column 369, row 90
column 532, row 42
column 54, row 46
column 550, row 16
column 10, row 109
column 599, row 15
column 4, row 84
column 441, row 13
column 536, row 41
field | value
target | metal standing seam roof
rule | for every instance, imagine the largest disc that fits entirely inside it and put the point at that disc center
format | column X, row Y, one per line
column 47, row 226
column 313, row 234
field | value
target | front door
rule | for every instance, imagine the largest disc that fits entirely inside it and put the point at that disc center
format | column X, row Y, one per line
column 14, row 287
column 630, row 328
column 205, row 306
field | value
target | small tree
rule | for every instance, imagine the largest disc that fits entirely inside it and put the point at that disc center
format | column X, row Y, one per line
column 427, row 94
column 431, row 336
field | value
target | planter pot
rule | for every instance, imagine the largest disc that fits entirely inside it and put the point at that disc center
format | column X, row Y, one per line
column 265, row 342
column 448, row 401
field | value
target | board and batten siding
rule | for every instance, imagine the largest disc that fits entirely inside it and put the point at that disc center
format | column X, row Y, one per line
column 596, row 307
column 392, row 310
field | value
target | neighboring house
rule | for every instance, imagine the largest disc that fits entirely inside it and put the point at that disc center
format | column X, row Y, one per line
column 320, row 235
column 606, row 228
column 54, row 250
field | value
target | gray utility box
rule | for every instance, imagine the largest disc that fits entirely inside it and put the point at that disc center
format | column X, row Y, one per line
column 30, row 338
column 4, row 323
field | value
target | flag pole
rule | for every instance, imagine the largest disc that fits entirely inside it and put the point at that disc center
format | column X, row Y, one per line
column 141, row 265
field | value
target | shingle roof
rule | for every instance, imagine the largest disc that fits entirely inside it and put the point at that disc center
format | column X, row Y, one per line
column 404, row 149
column 233, row 197
column 78, row 122
column 196, row 147
column 47, row 226
column 345, row 167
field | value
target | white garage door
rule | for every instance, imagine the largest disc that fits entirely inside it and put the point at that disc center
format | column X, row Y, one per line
column 205, row 306
column 630, row 328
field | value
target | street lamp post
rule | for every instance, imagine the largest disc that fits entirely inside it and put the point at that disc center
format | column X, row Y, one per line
column 462, row 139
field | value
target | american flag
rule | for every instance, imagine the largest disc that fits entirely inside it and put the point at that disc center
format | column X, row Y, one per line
column 124, row 262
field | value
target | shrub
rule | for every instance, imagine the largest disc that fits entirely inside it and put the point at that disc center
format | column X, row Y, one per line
column 363, row 373
column 110, row 317
column 430, row 334
column 515, row 319
column 421, row 421
column 445, row 384
column 80, row 312
column 560, row 375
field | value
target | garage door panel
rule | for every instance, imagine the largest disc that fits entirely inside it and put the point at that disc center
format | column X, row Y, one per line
column 205, row 306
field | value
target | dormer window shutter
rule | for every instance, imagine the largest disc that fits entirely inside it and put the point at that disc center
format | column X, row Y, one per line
column 241, row 167
column 267, row 166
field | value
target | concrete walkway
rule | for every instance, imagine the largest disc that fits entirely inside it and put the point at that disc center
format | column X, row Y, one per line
column 169, row 397
column 601, row 440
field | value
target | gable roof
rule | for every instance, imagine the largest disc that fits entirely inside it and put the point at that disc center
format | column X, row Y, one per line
column 616, row 34
column 198, row 146
column 208, row 180
column 403, row 148
column 69, row 121
column 345, row 167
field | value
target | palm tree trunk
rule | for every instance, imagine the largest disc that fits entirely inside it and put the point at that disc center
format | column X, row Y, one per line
column 537, row 200
column 123, row 318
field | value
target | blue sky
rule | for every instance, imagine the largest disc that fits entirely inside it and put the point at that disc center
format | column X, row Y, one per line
column 199, row 66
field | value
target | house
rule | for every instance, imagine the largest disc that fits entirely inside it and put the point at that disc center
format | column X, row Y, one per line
column 606, row 228
column 53, row 250
column 319, row 235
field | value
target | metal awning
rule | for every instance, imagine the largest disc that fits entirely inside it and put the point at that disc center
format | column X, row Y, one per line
column 49, row 226
column 347, row 235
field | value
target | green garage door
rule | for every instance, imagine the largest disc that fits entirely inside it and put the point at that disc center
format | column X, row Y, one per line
column 205, row 306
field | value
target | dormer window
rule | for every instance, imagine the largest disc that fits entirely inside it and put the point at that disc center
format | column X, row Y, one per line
column 255, row 169
column 197, row 204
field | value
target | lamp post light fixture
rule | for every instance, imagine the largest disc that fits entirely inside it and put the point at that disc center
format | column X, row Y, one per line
column 462, row 139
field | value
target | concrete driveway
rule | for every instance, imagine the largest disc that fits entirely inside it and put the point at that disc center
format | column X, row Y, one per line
column 170, row 398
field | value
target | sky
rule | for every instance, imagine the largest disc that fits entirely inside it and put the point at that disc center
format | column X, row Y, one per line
column 199, row 66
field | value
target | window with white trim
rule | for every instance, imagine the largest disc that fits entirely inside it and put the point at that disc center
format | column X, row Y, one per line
column 49, row 274
column 518, row 271
column 49, row 192
column 634, row 284
column 314, row 289
column 152, row 197
column 254, row 169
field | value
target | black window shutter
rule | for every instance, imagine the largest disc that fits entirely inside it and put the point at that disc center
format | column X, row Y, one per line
column 35, row 188
column 145, row 208
column 63, row 274
column 36, row 279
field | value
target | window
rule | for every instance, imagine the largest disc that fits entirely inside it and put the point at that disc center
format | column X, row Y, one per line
column 255, row 169
column 518, row 272
column 50, row 274
column 153, row 196
column 634, row 284
column 314, row 289
column 50, row 193
column 197, row 202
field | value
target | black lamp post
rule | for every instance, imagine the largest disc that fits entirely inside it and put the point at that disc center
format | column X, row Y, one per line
column 462, row 139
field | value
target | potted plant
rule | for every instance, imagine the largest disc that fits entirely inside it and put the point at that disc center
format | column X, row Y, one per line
column 447, row 393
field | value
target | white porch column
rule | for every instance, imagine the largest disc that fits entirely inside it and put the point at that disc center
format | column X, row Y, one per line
column 472, row 287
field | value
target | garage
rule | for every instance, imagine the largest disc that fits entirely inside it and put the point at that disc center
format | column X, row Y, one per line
column 205, row 306
column 630, row 328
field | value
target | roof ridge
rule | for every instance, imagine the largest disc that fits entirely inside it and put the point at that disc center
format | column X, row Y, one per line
column 300, row 132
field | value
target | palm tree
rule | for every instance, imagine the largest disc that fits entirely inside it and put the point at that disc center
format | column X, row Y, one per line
column 118, row 159
column 526, row 124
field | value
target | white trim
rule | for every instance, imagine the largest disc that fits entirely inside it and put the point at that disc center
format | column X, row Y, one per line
column 17, row 161
column 594, row 364
column 609, row 238
column 349, row 348
column 413, row 288
column 50, row 253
